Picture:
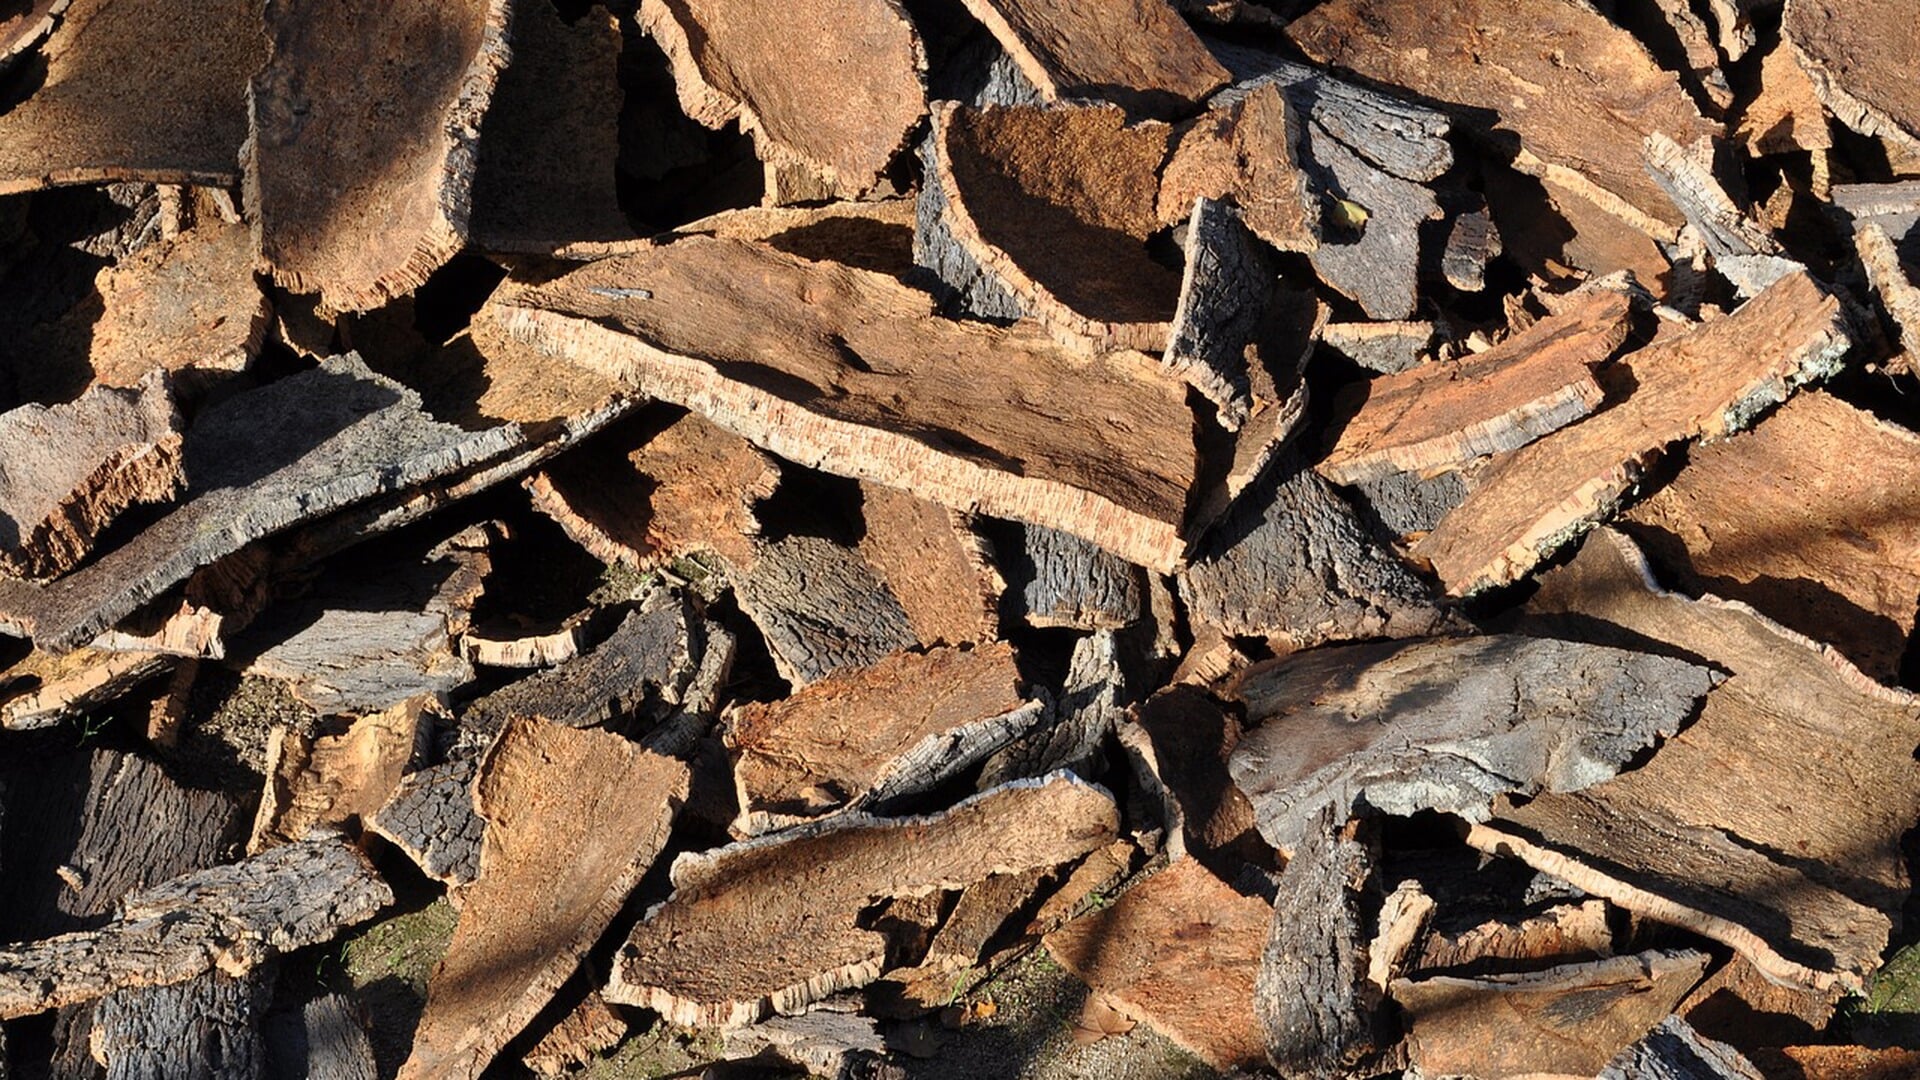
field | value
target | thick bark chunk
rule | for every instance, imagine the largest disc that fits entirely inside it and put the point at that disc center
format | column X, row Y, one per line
column 1312, row 995
column 322, row 1039
column 1245, row 149
column 933, row 563
column 204, row 1029
column 821, row 608
column 1065, row 581
column 431, row 819
column 1224, row 295
column 1183, row 739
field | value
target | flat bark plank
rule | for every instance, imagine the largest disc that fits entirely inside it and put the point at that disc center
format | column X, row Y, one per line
column 1533, row 383
column 1796, row 869
column 362, row 187
column 573, row 818
column 850, row 372
column 1315, row 1002
column 1569, row 1020
column 1860, row 58
column 1185, row 738
column 228, row 918
column 1139, row 53
column 1362, row 727
column 1057, row 202
column 1180, row 951
column 1293, row 562
column 24, row 25
column 258, row 463
column 207, row 1028
column 1064, row 581
column 72, row 469
column 661, row 494
column 900, row 725
column 1892, row 278
column 543, row 178
column 933, row 563
column 322, row 1038
column 821, row 608
column 1707, row 383
column 353, row 661
column 1723, row 228
column 837, row 105
column 1674, row 1051
column 1500, row 69
column 1244, row 149
column 1832, row 478
column 136, row 90
column 1224, row 294
column 769, row 925
column 334, row 779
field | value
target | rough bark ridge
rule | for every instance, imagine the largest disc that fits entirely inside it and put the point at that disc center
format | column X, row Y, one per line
column 204, row 1029
column 1223, row 302
column 821, row 608
column 1312, row 995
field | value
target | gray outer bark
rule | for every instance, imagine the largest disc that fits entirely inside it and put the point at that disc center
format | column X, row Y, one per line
column 1409, row 503
column 1312, row 994
column 1066, row 581
column 1223, row 300
column 321, row 1041
column 1380, row 268
column 821, row 609
column 1405, row 139
column 966, row 287
column 1674, row 1051
column 431, row 819
column 205, row 1029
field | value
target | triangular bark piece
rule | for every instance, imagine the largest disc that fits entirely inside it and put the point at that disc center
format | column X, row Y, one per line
column 1225, row 294
column 362, row 186
column 850, row 372
column 1244, row 149
column 1705, row 383
column 574, row 818
column 772, row 924
column 1139, row 53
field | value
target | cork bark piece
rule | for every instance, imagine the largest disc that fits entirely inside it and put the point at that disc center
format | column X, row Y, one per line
column 1182, row 739
column 1810, row 518
column 1313, row 995
column 136, row 90
column 772, row 924
column 1180, row 952
column 821, row 608
column 231, row 918
column 1533, row 383
column 258, row 463
column 1506, row 72
column 1056, row 202
column 1139, row 53
column 861, row 734
column 325, row 1037
column 72, row 469
column 1799, row 870
column 25, row 24
column 431, row 819
column 1225, row 290
column 1893, row 278
column 335, row 778
column 1787, row 114
column 1062, row 580
column 1860, row 58
column 1706, row 383
column 872, row 235
column 837, row 104
column 362, row 187
column 1565, row 1021
column 933, row 563
column 573, row 819
column 850, row 372
column 42, row 689
column 651, row 494
column 1244, row 149
column 208, row 1026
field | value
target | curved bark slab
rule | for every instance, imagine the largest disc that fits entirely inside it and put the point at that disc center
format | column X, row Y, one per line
column 1139, row 53
column 1859, row 55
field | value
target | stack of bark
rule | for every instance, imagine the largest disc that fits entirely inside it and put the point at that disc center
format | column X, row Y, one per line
column 776, row 510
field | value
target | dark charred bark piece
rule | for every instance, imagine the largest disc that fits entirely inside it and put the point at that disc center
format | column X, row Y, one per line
column 207, row 1028
column 1064, row 581
column 321, row 1040
column 1706, row 383
column 821, row 608
column 72, row 469
column 259, row 463
column 1181, row 951
column 1139, row 53
column 860, row 378
column 862, row 736
column 1568, row 1021
column 543, row 178
column 1357, row 727
column 430, row 818
column 834, row 107
column 363, row 187
column 228, row 918
column 575, row 817
column 1796, row 869
column 1223, row 300
column 1293, row 562
column 772, row 924
column 136, row 90
column 1446, row 415
column 1673, row 1050
column 1182, row 739
column 1860, row 58
column 24, row 24
column 1312, row 995
column 1581, row 127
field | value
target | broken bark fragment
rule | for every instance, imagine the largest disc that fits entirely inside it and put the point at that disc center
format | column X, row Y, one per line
column 770, row 925
column 1810, row 518
column 24, row 24
column 1406, row 139
column 1581, row 126
column 1223, row 301
column 44, row 688
column 1057, row 202
column 1183, row 738
column 1472, row 244
column 1386, row 347
column 1139, row 53
column 350, row 661
column 323, row 1038
column 1555, row 935
column 1438, row 415
column 831, row 1044
column 1569, row 1020
column 829, row 345
column 334, row 779
column 71, row 469
column 258, row 463
column 1860, row 58
column 1312, row 995
column 135, row 90
column 1244, row 150
column 228, row 918
column 835, row 104
column 573, row 817
column 1787, row 114
column 589, row 1030
column 1835, row 1063
column 1708, row 383
column 1292, row 562
column 430, row 818
column 821, row 608
column 1373, row 258
column 206, row 1027
column 1797, row 870
column 1063, row 580
column 1674, row 1051
column 1737, row 1004
column 862, row 736
column 1180, row 951
column 932, row 563
column 876, row 235
column 363, row 187
column 1889, row 276
column 543, row 178
column 1740, row 247
column 1352, row 726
